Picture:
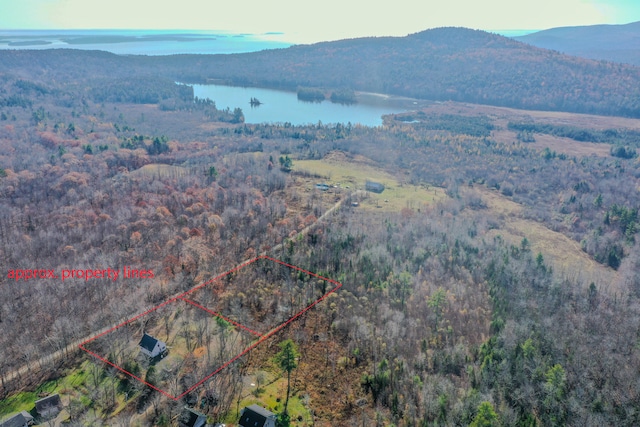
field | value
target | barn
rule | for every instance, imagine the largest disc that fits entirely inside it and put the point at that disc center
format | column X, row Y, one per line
column 373, row 186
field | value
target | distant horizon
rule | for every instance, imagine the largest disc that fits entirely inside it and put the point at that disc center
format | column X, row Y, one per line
column 311, row 23
column 284, row 33
column 267, row 36
column 161, row 41
column 515, row 32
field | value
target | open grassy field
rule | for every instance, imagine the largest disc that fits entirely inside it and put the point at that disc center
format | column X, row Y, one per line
column 558, row 144
column 559, row 251
column 351, row 174
column 555, row 117
column 501, row 116
column 564, row 254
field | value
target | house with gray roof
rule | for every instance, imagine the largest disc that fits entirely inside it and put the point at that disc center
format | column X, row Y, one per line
column 21, row 419
column 257, row 416
column 49, row 406
column 191, row 418
column 151, row 346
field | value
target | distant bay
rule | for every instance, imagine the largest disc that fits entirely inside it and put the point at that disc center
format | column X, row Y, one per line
column 157, row 42
column 143, row 42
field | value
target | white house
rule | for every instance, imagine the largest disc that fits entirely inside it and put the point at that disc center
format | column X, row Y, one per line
column 151, row 346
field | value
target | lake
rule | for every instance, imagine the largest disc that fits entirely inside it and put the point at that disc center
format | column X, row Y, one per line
column 278, row 106
column 281, row 107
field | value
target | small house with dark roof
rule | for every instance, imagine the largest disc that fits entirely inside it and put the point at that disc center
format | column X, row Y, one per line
column 257, row 416
column 190, row 418
column 22, row 419
column 49, row 406
column 151, row 346
column 376, row 187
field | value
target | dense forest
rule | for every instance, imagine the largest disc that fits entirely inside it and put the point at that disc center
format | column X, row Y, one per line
column 446, row 316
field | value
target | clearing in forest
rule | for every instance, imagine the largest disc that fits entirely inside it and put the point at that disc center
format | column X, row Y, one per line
column 156, row 170
column 565, row 255
column 351, row 174
column 211, row 326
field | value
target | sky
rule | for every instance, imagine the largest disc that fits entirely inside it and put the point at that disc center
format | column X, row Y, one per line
column 314, row 20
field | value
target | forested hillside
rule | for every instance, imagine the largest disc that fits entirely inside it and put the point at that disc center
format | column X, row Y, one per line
column 509, row 296
column 442, row 64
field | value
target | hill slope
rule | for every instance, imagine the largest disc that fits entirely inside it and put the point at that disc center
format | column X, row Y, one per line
column 619, row 43
column 442, row 64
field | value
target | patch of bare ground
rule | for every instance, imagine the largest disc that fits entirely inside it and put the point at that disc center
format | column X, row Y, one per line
column 563, row 254
column 302, row 198
column 566, row 146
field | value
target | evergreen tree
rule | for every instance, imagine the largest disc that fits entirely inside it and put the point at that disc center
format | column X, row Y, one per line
column 286, row 360
column 486, row 416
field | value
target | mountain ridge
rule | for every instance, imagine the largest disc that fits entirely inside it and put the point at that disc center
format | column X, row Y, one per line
column 442, row 64
column 447, row 63
column 609, row 42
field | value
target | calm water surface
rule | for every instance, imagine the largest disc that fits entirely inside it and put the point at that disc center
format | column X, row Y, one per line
column 281, row 107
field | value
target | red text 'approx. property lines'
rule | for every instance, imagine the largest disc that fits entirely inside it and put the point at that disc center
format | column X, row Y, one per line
column 82, row 274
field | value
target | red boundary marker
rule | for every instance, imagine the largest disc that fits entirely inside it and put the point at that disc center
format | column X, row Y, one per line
column 215, row 313
column 261, row 337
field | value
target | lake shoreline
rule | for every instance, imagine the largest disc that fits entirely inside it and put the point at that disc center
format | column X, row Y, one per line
column 395, row 101
column 281, row 106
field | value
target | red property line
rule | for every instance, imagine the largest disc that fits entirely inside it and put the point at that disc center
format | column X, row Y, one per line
column 265, row 337
column 236, row 268
column 126, row 372
column 240, row 325
column 273, row 331
column 219, row 276
column 300, row 269
column 128, row 321
column 182, row 297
